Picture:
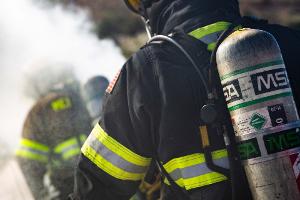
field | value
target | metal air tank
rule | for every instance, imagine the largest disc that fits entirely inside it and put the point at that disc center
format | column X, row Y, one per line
column 263, row 112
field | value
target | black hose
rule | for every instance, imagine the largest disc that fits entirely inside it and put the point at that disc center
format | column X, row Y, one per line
column 210, row 164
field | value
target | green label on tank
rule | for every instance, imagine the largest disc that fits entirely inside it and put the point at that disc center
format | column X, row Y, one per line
column 256, row 84
column 258, row 121
column 278, row 142
column 252, row 68
column 249, row 149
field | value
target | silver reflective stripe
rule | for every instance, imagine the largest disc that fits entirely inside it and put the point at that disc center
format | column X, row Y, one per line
column 197, row 170
column 35, row 151
column 69, row 148
column 114, row 158
column 213, row 37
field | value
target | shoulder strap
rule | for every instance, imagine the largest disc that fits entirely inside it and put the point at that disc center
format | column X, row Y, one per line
column 192, row 49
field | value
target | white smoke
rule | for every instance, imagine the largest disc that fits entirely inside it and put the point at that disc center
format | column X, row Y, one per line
column 31, row 33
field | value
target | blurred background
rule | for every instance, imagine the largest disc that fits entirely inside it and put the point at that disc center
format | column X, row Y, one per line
column 93, row 36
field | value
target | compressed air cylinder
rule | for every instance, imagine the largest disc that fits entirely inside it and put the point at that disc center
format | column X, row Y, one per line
column 263, row 112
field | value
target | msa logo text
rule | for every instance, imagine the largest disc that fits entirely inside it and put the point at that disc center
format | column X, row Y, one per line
column 232, row 91
column 269, row 81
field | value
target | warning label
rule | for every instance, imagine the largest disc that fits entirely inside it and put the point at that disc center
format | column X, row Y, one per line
column 258, row 121
column 266, row 117
column 252, row 121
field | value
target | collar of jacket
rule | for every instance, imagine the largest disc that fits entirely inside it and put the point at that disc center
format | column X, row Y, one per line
column 210, row 33
column 166, row 16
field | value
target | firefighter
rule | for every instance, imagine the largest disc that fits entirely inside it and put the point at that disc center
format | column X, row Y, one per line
column 54, row 129
column 93, row 93
column 153, row 109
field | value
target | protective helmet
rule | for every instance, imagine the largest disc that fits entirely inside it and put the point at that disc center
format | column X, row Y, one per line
column 93, row 92
column 45, row 77
column 138, row 6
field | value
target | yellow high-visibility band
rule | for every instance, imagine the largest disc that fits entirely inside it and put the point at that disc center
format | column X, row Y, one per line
column 211, row 46
column 108, row 167
column 34, row 145
column 82, row 138
column 193, row 159
column 70, row 142
column 32, row 156
column 71, row 153
column 184, row 161
column 209, row 29
column 61, row 104
column 118, row 148
column 199, row 181
column 191, row 171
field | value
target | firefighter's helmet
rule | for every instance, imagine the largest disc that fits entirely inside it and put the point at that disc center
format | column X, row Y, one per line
column 93, row 92
column 138, row 6
column 45, row 77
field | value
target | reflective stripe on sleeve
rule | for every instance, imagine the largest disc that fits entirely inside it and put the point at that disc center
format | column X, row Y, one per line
column 69, row 148
column 191, row 171
column 33, row 150
column 114, row 158
column 83, row 137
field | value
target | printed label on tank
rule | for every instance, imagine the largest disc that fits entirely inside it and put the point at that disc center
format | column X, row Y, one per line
column 249, row 149
column 277, row 114
column 262, row 118
column 255, row 84
column 232, row 91
column 268, row 81
column 268, row 146
column 278, row 142
column 252, row 121
column 257, row 121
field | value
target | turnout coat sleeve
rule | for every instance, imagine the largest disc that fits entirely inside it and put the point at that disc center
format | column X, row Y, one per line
column 117, row 153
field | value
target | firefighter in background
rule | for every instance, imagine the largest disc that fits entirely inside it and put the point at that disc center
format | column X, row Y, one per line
column 152, row 110
column 53, row 132
column 93, row 94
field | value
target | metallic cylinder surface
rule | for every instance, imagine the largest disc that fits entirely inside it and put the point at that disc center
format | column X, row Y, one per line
column 263, row 112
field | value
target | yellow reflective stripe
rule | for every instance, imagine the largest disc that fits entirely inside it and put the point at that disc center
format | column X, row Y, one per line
column 184, row 161
column 222, row 153
column 199, row 181
column 238, row 27
column 70, row 147
column 193, row 159
column 71, row 153
column 209, row 29
column 61, row 104
column 30, row 155
column 211, row 46
column 60, row 147
column 118, row 148
column 70, row 142
column 191, row 171
column 83, row 138
column 34, row 145
column 108, row 167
